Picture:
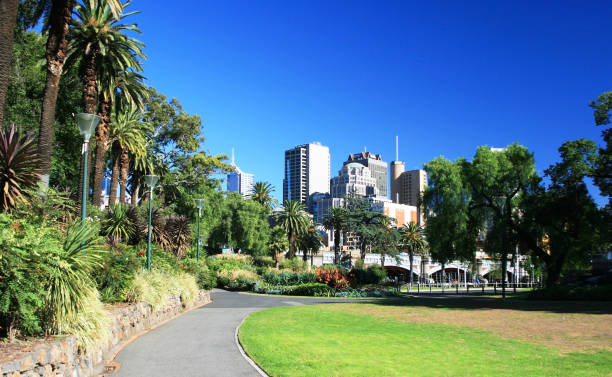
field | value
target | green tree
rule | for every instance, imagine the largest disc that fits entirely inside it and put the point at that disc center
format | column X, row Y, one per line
column 8, row 18
column 310, row 243
column 262, row 194
column 602, row 174
column 336, row 220
column 412, row 239
column 278, row 242
column 294, row 220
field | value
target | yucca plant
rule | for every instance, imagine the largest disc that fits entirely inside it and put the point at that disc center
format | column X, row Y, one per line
column 159, row 235
column 179, row 230
column 19, row 167
column 117, row 225
column 71, row 291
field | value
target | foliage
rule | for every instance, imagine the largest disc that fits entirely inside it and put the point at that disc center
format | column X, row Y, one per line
column 278, row 242
column 294, row 220
column 230, row 262
column 294, row 264
column 337, row 219
column 335, row 278
column 118, row 225
column 117, row 272
column 178, row 229
column 18, row 167
column 368, row 292
column 262, row 194
column 236, row 279
column 263, row 261
column 273, row 277
column 312, row 289
column 585, row 293
column 205, row 277
column 373, row 274
column 155, row 286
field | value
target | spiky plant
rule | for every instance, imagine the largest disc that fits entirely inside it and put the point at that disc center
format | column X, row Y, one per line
column 19, row 167
column 117, row 226
column 159, row 235
column 179, row 230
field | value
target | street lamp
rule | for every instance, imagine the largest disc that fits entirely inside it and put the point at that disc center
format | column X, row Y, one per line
column 199, row 205
column 150, row 180
column 87, row 124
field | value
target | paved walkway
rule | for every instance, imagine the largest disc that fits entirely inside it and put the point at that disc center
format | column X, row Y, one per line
column 200, row 342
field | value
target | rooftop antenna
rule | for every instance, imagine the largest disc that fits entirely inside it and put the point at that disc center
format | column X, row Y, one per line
column 365, row 150
column 233, row 157
column 396, row 148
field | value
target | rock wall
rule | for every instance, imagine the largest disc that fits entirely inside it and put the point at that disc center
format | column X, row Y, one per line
column 60, row 357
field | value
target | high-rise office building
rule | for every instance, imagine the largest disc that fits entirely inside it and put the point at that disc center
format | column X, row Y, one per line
column 353, row 178
column 239, row 181
column 306, row 171
column 378, row 169
column 407, row 186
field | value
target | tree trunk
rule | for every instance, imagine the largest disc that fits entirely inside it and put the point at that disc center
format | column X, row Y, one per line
column 135, row 189
column 102, row 133
column 411, row 257
column 504, row 259
column 443, row 278
column 362, row 252
column 291, row 246
column 305, row 255
column 59, row 20
column 336, row 246
column 8, row 17
column 125, row 167
column 90, row 101
column 116, row 155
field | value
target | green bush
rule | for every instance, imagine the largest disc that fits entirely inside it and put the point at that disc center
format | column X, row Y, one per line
column 118, row 269
column 306, row 289
column 288, row 277
column 230, row 262
column 373, row 274
column 295, row 264
column 205, row 277
column 367, row 293
column 263, row 261
column 237, row 279
column 155, row 286
column 586, row 293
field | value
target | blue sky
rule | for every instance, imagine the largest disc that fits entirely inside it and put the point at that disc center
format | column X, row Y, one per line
column 444, row 76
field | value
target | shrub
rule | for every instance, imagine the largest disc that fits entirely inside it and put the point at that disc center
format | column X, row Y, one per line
column 374, row 292
column 178, row 229
column 335, row 278
column 205, row 277
column 263, row 261
column 155, row 286
column 373, row 274
column 117, row 272
column 309, row 289
column 230, row 262
column 586, row 293
column 117, row 226
column 236, row 279
column 294, row 264
column 273, row 277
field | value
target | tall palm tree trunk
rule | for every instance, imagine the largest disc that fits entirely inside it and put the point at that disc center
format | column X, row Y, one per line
column 8, row 17
column 102, row 133
column 136, row 175
column 90, row 102
column 291, row 246
column 59, row 20
column 125, row 166
column 116, row 153
column 336, row 246
column 411, row 257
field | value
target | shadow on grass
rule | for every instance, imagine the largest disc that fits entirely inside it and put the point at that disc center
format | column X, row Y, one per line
column 484, row 302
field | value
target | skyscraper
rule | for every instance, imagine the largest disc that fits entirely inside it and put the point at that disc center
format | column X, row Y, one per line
column 306, row 171
column 378, row 169
column 353, row 178
column 239, row 181
column 407, row 186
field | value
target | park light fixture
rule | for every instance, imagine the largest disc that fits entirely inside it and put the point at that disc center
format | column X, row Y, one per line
column 199, row 205
column 87, row 124
column 151, row 181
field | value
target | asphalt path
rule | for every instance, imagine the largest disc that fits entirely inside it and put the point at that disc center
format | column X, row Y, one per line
column 202, row 341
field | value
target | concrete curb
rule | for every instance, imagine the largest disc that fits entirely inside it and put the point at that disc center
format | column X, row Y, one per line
column 244, row 354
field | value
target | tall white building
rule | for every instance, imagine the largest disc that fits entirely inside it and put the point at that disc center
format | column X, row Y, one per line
column 239, row 181
column 353, row 178
column 306, row 171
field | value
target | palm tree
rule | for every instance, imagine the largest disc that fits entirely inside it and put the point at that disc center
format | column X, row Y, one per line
column 262, row 194
column 8, row 18
column 129, row 88
column 97, row 39
column 127, row 136
column 278, row 242
column 337, row 219
column 294, row 220
column 412, row 239
column 310, row 242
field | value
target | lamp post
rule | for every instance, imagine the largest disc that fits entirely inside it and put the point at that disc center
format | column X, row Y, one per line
column 151, row 181
column 87, row 124
column 199, row 205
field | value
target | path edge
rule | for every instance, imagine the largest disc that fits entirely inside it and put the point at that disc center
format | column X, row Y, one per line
column 243, row 353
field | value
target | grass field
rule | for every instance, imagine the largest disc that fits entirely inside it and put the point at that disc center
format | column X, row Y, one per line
column 433, row 337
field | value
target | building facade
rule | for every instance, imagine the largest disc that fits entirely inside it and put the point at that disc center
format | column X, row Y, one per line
column 353, row 178
column 307, row 171
column 240, row 182
column 378, row 169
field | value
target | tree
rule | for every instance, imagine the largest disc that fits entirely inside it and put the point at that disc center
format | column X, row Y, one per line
column 262, row 194
column 337, row 220
column 310, row 242
column 294, row 220
column 278, row 242
column 8, row 17
column 128, row 136
column 602, row 174
column 364, row 222
column 412, row 239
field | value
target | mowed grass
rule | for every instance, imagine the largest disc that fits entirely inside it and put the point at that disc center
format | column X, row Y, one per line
column 346, row 340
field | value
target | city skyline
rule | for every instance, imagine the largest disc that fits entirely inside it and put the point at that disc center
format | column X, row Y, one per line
column 446, row 78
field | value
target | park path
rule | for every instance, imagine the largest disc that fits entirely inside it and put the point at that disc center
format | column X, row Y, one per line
column 202, row 341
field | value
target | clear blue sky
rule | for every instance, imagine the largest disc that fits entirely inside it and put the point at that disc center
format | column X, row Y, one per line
column 444, row 76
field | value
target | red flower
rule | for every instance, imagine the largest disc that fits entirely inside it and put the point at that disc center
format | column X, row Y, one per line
column 140, row 252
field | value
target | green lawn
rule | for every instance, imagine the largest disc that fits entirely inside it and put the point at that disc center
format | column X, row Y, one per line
column 325, row 340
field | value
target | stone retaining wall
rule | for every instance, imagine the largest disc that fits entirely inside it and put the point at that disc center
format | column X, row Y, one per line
column 60, row 358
